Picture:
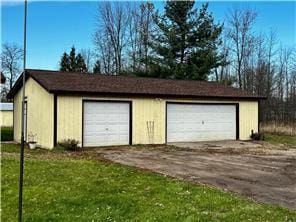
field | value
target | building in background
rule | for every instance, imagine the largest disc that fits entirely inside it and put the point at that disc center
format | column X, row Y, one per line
column 3, row 88
column 6, row 111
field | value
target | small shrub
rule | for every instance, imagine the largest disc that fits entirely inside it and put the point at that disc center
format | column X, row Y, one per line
column 70, row 144
column 257, row 136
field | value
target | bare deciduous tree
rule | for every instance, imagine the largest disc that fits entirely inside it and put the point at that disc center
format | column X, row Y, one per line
column 123, row 35
column 260, row 64
column 240, row 26
column 113, row 20
column 88, row 56
column 146, row 26
column 104, row 53
column 141, row 23
column 222, row 73
column 11, row 58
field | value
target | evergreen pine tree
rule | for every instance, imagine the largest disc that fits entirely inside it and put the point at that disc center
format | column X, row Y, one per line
column 80, row 65
column 97, row 67
column 72, row 59
column 186, row 46
column 65, row 64
column 72, row 63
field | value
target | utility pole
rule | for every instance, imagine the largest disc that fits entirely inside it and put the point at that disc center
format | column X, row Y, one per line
column 20, row 205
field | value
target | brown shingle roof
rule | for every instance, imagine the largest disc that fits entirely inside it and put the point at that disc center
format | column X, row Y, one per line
column 65, row 82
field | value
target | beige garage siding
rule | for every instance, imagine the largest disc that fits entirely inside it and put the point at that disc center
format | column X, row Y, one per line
column 248, row 115
column 39, row 111
column 145, row 113
column 69, row 117
column 6, row 117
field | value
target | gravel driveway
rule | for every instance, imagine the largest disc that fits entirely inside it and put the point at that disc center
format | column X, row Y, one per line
column 264, row 172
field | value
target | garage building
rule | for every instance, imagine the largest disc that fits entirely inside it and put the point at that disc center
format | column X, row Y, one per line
column 100, row 110
column 6, row 113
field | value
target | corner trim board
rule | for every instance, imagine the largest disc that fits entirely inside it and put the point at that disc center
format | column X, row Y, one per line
column 237, row 120
column 13, row 120
column 55, row 119
column 259, row 115
column 82, row 123
column 166, row 122
column 131, row 123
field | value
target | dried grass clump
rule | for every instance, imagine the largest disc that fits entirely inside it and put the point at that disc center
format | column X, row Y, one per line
column 279, row 128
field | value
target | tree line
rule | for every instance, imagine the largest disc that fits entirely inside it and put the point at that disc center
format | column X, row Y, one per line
column 185, row 42
column 259, row 63
column 181, row 43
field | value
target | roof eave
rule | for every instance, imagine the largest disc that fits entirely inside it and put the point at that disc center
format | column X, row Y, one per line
column 76, row 93
column 19, row 83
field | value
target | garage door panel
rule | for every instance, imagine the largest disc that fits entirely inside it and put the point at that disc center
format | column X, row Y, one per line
column 117, row 129
column 94, row 130
column 93, row 140
column 117, row 137
column 199, row 122
column 93, row 117
column 217, row 127
column 106, row 123
column 115, row 117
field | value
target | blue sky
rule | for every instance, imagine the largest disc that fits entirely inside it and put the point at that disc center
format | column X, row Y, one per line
column 53, row 27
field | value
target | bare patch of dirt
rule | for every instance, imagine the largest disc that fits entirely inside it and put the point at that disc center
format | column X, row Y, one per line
column 262, row 173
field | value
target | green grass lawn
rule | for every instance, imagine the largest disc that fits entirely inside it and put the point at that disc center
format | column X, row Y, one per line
column 78, row 189
column 6, row 133
column 277, row 138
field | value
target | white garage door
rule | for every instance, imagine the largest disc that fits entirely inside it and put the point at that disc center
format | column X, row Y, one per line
column 106, row 123
column 193, row 122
